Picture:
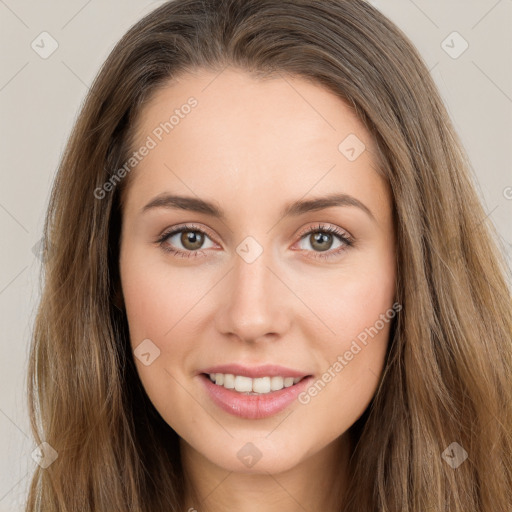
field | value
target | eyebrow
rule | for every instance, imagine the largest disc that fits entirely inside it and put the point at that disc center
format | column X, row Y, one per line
column 294, row 209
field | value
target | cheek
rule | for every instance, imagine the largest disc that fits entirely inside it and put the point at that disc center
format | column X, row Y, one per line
column 157, row 304
column 156, row 297
column 353, row 298
column 359, row 310
column 150, row 307
column 163, row 304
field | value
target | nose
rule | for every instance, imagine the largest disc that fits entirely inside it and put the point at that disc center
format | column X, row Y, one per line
column 256, row 303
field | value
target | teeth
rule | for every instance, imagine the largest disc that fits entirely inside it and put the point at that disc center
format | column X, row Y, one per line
column 243, row 384
column 276, row 383
column 261, row 385
column 288, row 382
column 229, row 381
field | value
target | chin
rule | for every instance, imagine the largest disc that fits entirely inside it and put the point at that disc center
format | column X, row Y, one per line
column 257, row 453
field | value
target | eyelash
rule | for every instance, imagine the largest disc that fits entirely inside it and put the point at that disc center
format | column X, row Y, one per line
column 342, row 235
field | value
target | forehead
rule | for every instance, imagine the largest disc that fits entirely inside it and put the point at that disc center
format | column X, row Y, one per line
column 221, row 133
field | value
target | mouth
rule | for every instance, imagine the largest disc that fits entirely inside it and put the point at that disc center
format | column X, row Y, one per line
column 252, row 386
column 253, row 393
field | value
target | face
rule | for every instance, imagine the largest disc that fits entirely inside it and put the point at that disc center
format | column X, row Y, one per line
column 257, row 267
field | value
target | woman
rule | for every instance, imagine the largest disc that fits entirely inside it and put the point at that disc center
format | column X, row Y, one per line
column 271, row 284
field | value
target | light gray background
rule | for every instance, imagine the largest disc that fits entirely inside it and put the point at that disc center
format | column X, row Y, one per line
column 39, row 101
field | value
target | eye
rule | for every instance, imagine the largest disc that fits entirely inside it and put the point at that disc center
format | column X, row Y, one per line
column 192, row 240
column 190, row 237
column 321, row 238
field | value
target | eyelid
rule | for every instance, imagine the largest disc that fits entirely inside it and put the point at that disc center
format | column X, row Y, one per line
column 186, row 227
column 305, row 231
column 337, row 231
column 344, row 236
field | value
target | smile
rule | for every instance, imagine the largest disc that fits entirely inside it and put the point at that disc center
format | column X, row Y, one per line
column 257, row 386
column 253, row 392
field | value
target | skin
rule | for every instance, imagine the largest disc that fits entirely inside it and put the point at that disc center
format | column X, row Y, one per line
column 253, row 146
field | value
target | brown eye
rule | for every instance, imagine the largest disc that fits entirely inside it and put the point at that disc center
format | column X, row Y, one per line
column 326, row 239
column 185, row 241
column 321, row 241
column 192, row 240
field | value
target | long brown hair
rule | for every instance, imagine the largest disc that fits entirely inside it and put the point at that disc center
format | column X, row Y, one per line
column 448, row 373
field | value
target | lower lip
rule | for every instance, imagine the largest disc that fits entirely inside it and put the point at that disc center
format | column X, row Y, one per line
column 253, row 407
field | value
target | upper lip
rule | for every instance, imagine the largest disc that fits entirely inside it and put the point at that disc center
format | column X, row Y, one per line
column 268, row 370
